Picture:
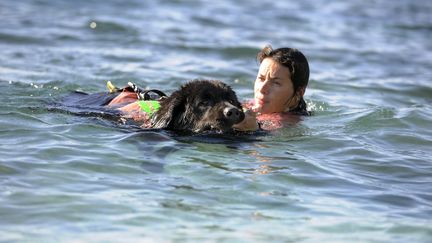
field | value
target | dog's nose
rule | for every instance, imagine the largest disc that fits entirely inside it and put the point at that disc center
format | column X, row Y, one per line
column 233, row 114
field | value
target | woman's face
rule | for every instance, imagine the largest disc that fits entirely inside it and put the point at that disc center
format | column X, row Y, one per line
column 273, row 87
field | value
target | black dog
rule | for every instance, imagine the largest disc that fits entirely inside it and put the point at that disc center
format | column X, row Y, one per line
column 199, row 105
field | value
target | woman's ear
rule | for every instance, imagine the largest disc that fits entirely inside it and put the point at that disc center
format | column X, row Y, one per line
column 301, row 91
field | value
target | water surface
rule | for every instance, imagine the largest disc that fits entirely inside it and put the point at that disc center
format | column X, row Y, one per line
column 359, row 170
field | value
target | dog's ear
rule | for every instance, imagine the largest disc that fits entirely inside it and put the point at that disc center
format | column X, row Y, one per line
column 169, row 111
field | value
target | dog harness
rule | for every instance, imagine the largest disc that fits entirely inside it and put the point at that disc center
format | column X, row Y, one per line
column 148, row 100
column 149, row 106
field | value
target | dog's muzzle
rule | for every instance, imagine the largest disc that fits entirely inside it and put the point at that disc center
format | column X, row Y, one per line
column 233, row 114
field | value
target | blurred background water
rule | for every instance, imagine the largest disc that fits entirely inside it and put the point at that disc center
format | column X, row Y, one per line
column 359, row 170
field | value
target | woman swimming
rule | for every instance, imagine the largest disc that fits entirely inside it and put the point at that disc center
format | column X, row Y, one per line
column 278, row 91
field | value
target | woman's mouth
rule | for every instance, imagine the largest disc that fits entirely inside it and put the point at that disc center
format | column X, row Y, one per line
column 259, row 102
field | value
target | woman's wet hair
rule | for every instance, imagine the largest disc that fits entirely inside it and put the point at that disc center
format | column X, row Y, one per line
column 291, row 58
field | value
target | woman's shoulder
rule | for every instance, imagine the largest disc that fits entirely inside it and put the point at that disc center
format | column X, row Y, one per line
column 272, row 121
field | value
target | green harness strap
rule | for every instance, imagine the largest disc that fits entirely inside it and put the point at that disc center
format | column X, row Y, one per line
column 149, row 106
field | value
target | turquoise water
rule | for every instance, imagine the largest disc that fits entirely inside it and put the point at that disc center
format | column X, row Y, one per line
column 359, row 170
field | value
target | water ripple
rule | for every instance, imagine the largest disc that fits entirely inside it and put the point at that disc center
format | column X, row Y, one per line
column 357, row 170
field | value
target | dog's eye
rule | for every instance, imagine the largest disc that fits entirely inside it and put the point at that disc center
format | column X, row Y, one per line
column 204, row 103
column 233, row 102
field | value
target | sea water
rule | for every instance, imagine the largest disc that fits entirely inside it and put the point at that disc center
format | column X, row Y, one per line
column 358, row 170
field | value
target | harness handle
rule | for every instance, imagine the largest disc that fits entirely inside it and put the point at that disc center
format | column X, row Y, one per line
column 144, row 94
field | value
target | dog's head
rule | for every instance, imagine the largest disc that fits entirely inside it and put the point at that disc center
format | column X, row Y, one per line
column 199, row 105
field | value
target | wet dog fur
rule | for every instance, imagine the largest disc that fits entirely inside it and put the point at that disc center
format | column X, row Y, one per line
column 200, row 105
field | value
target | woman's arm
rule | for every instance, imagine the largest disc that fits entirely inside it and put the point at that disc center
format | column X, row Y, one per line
column 133, row 111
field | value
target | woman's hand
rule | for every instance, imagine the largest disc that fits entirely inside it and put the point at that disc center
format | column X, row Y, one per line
column 249, row 123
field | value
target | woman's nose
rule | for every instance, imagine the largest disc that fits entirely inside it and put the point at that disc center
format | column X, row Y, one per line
column 264, row 87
